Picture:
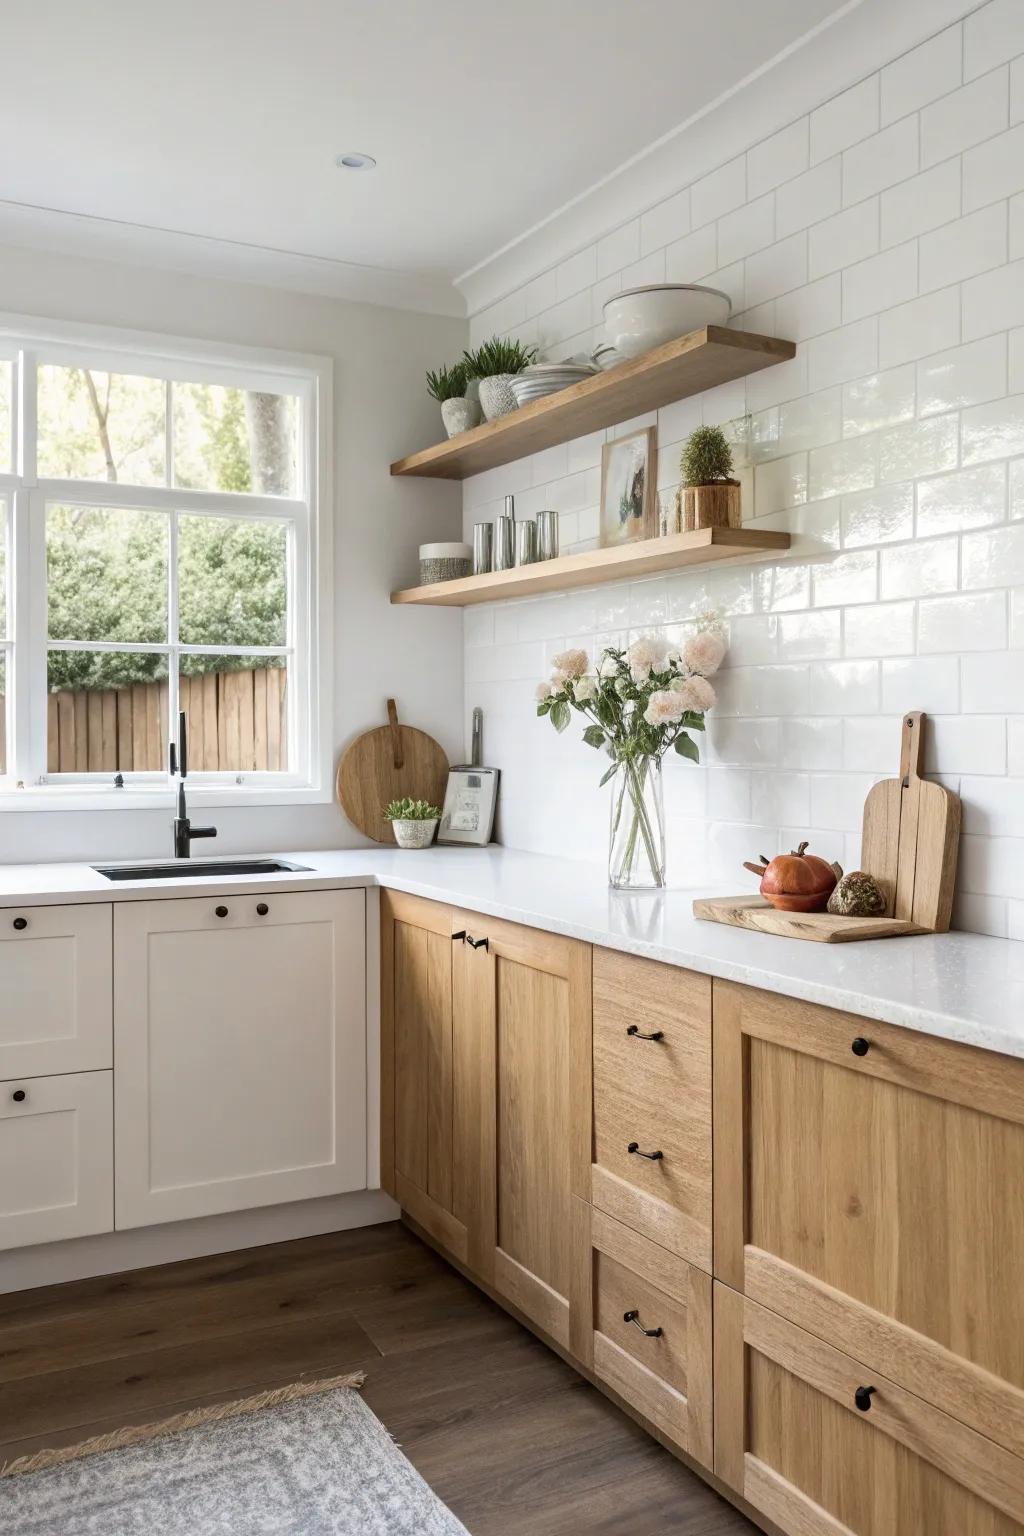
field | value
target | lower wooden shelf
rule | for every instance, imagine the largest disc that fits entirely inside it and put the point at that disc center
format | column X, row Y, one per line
column 703, row 546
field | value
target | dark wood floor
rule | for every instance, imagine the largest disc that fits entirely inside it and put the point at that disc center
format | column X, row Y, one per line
column 506, row 1433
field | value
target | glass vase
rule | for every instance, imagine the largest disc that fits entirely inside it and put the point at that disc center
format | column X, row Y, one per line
column 636, row 836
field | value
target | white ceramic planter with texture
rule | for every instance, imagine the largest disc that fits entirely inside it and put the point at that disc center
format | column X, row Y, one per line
column 414, row 834
column 459, row 415
column 496, row 395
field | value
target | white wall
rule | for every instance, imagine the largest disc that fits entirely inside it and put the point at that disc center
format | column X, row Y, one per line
column 883, row 230
column 381, row 412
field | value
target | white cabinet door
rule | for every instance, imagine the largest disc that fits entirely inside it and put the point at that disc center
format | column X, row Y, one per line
column 240, row 1052
column 56, row 1158
column 55, row 990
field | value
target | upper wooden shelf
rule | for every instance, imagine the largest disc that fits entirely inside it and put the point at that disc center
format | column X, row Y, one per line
column 686, row 366
column 646, row 557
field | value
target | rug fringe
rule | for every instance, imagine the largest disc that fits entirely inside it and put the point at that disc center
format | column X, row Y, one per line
column 193, row 1418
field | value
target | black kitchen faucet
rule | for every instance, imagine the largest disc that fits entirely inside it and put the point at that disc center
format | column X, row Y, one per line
column 184, row 831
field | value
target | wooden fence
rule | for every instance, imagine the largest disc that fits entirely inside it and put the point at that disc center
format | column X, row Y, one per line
column 237, row 722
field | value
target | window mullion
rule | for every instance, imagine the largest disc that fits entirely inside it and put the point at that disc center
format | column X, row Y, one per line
column 173, row 684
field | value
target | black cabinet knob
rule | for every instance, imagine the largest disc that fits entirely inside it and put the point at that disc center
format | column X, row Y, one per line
column 19, row 1095
column 860, row 1046
column 20, row 923
column 652, row 1157
column 221, row 911
column 262, row 909
column 862, row 1397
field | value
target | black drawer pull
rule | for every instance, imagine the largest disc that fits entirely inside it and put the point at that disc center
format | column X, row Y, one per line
column 479, row 943
column 862, row 1397
column 221, row 911
column 19, row 1095
column 652, row 1157
column 262, row 909
column 860, row 1046
column 460, row 935
column 20, row 923
column 636, row 1032
column 634, row 1318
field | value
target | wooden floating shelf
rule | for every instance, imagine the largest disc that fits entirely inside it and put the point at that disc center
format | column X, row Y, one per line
column 687, row 366
column 704, row 546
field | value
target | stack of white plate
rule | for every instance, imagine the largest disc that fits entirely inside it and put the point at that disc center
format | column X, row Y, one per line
column 547, row 378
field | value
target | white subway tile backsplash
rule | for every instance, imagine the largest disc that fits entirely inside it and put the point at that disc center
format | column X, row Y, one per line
column 968, row 622
column 778, row 798
column 994, row 431
column 665, row 222
column 720, row 192
column 922, row 203
column 810, row 636
column 691, row 259
column 1014, row 745
column 1017, row 489
column 810, row 743
column 918, row 448
column 919, row 569
column 777, row 269
column 993, row 807
column 618, row 249
column 879, row 629
column 846, row 119
column 959, row 744
column 1017, row 90
column 1015, row 380
column 844, row 687
column 931, row 683
column 846, row 237
column 846, row 579
column 921, row 327
column 993, row 683
column 992, row 34
column 968, row 498
column 729, row 793
column 648, row 270
column 962, row 376
column 580, row 271
column 779, row 158
column 843, row 354
column 995, row 301
column 973, row 244
column 809, row 198
column 878, row 400
column 993, row 558
column 993, row 169
column 810, row 421
column 880, row 282
column 992, row 865
column 837, row 801
column 784, row 381
column 848, row 466
column 781, row 483
column 810, row 310
column 921, row 75
column 883, row 514
column 878, row 162
column 748, row 229
column 965, row 117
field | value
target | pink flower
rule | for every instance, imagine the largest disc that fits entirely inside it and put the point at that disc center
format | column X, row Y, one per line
column 664, row 708
column 570, row 664
column 704, row 652
column 544, row 691
column 645, row 656
column 695, row 693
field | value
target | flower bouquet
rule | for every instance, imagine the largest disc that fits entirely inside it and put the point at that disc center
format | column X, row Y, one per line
column 640, row 702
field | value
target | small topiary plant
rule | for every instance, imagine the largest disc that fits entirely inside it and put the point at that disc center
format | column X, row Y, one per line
column 447, row 383
column 411, row 810
column 706, row 458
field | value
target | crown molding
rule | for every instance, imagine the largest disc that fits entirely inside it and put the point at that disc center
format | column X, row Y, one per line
column 73, row 234
column 856, row 40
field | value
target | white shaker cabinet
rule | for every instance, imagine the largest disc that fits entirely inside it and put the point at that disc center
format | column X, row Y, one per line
column 240, row 1050
column 56, row 1158
column 55, row 990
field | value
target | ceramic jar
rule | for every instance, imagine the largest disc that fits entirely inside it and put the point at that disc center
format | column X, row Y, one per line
column 459, row 415
column 496, row 396
column 414, row 834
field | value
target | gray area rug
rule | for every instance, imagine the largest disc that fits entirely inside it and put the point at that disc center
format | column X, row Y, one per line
column 308, row 1460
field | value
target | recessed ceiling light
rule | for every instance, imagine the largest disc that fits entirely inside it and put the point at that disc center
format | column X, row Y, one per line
column 353, row 160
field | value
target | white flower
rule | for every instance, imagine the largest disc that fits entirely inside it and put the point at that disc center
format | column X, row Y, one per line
column 609, row 665
column 570, row 663
column 664, row 708
column 544, row 691
column 696, row 693
column 645, row 656
column 704, row 653
column 584, row 688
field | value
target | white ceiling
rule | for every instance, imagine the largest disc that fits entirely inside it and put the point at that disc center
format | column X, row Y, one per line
column 222, row 118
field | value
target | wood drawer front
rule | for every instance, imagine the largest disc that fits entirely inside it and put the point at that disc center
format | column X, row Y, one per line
column 870, row 1197
column 56, row 1158
column 657, row 1094
column 790, row 1439
column 667, row 1378
column 56, row 982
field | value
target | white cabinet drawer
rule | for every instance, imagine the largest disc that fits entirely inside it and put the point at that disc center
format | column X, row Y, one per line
column 56, row 986
column 56, row 1158
column 240, row 1024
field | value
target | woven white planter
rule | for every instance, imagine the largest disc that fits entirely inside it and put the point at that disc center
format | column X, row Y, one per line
column 414, row 834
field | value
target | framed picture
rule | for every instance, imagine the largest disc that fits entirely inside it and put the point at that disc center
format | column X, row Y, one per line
column 469, row 802
column 629, row 488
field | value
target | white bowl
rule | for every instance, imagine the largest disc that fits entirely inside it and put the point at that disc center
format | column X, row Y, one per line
column 642, row 318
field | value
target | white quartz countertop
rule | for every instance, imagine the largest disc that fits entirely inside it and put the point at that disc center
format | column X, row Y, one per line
column 959, row 986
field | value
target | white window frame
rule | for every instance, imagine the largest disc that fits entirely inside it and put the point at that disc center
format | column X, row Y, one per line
column 29, row 342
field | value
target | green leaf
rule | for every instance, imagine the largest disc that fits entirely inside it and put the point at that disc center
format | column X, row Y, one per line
column 693, row 720
column 687, row 748
column 610, row 774
column 560, row 715
column 594, row 736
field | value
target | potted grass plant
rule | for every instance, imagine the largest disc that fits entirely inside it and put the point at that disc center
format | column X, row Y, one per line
column 711, row 497
column 413, row 822
column 494, row 364
column 448, row 387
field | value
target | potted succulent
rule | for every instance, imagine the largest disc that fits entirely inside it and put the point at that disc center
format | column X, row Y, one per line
column 413, row 822
column 448, row 387
column 494, row 364
column 711, row 497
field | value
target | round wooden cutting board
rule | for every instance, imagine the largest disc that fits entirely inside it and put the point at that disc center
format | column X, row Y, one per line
column 388, row 764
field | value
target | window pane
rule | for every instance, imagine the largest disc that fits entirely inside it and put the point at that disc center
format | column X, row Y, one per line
column 3, row 569
column 107, row 712
column 3, row 712
column 232, row 582
column 237, row 714
column 106, row 573
column 101, row 426
column 228, row 439
column 6, row 385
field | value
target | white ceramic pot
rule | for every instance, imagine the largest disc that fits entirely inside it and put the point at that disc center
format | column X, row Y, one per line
column 642, row 318
column 459, row 415
column 414, row 834
column 496, row 395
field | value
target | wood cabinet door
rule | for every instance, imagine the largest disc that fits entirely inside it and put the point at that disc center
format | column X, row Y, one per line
column 57, row 990
column 867, row 1187
column 430, row 1070
column 529, row 995
column 824, row 1445
column 652, row 1101
column 240, row 1052
column 56, row 1158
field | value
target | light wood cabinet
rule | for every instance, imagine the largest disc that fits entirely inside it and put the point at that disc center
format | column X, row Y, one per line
column 240, row 1061
column 57, row 990
column 826, row 1446
column 56, row 1158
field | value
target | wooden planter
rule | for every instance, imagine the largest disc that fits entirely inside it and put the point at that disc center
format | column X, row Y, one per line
column 711, row 506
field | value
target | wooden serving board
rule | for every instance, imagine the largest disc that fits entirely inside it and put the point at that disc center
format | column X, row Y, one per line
column 390, row 763
column 756, row 913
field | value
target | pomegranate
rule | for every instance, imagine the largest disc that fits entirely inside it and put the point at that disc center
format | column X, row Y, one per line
column 797, row 881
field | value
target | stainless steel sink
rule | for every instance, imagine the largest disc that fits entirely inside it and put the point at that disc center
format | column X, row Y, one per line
column 197, row 869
